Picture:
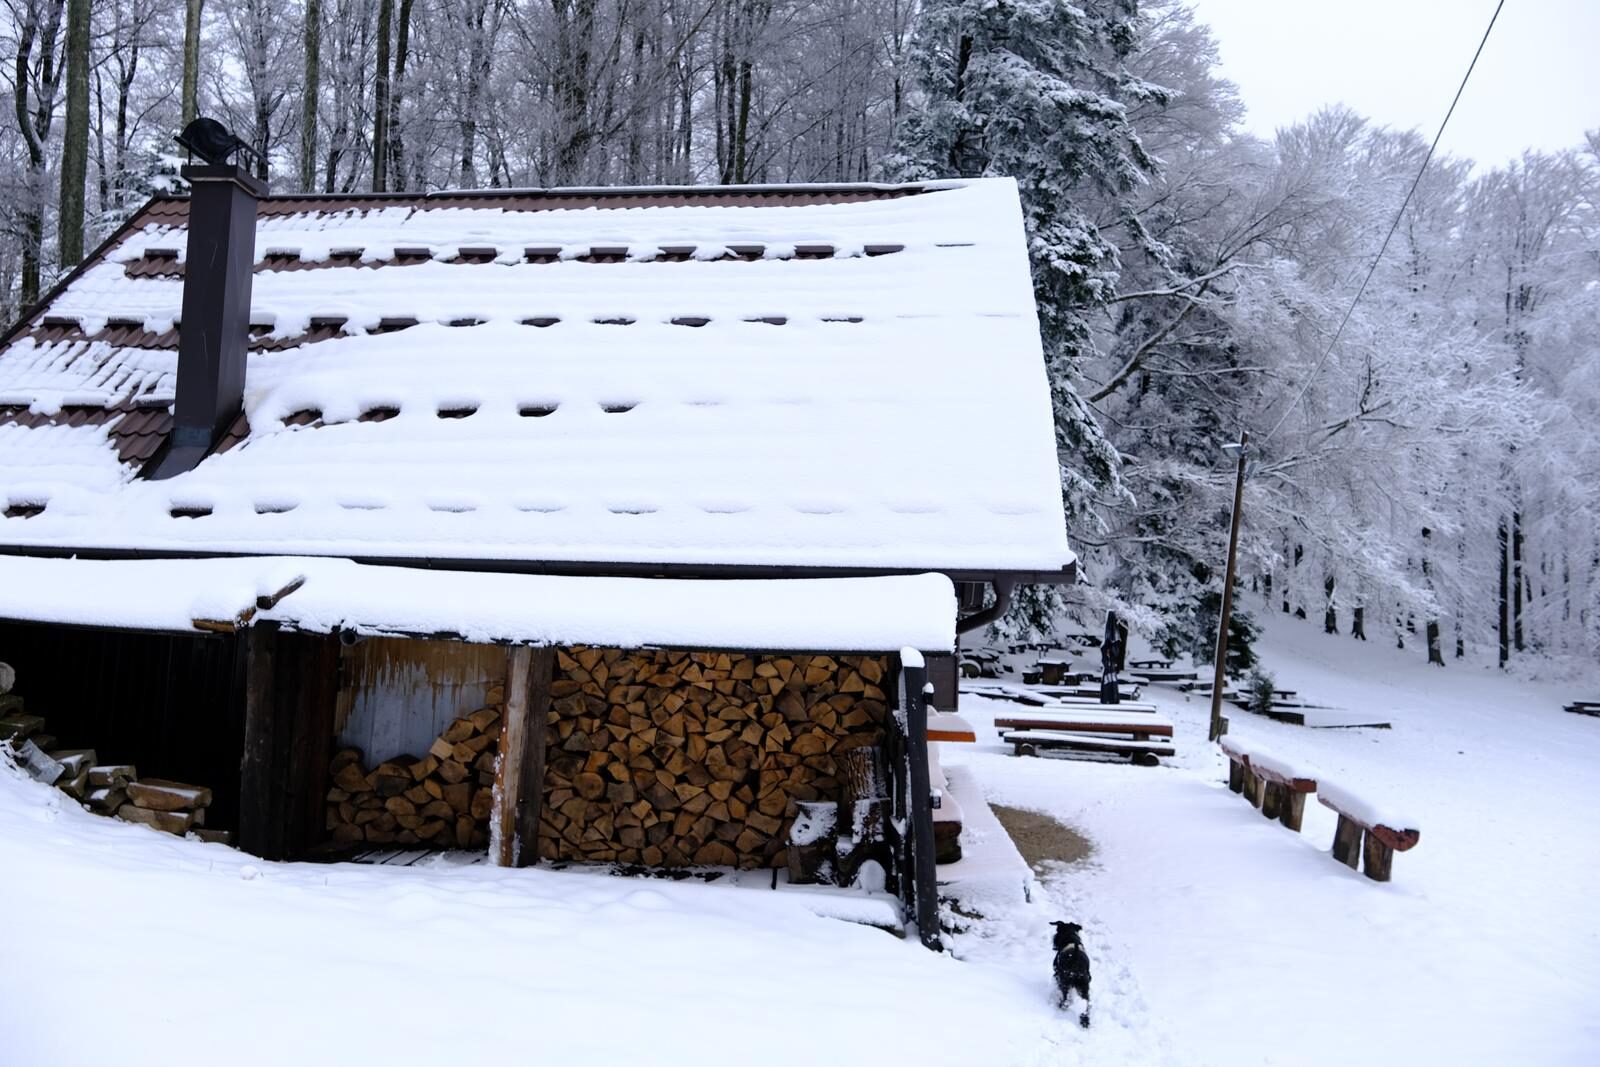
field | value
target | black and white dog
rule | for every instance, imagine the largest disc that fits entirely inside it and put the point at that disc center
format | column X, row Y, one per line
column 1072, row 967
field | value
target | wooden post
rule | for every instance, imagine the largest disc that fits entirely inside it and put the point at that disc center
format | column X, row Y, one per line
column 1236, row 776
column 291, row 689
column 1377, row 860
column 1271, row 799
column 914, row 706
column 519, row 771
column 1293, row 809
column 1219, row 678
column 1347, row 842
column 1253, row 788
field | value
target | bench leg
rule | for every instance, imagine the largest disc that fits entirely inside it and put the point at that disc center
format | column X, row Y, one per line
column 1347, row 843
column 1252, row 788
column 1292, row 809
column 1236, row 776
column 1271, row 800
column 1377, row 859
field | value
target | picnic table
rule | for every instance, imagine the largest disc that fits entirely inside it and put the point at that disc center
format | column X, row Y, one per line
column 1584, row 707
column 1135, row 730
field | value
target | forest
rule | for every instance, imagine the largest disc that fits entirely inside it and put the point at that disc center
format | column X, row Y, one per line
column 1422, row 460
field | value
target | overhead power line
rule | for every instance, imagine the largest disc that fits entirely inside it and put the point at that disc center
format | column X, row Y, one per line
column 1395, row 225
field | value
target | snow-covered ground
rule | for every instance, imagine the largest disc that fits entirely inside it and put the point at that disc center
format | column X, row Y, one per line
column 1218, row 937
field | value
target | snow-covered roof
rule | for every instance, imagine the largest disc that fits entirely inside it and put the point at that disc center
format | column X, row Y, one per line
column 322, row 595
column 822, row 378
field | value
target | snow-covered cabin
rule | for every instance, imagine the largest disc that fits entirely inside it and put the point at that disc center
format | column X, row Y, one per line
column 726, row 451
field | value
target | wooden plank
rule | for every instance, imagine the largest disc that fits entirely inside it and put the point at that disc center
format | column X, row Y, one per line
column 1020, row 739
column 519, row 771
column 1151, row 728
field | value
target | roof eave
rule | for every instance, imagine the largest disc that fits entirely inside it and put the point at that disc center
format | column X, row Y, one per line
column 1066, row 575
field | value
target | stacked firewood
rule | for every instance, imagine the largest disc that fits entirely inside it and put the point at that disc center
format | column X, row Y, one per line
column 440, row 800
column 676, row 758
column 105, row 789
column 175, row 807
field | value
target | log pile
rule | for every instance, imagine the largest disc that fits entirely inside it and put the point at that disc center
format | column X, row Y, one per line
column 175, row 807
column 439, row 800
column 676, row 759
column 657, row 758
column 105, row 789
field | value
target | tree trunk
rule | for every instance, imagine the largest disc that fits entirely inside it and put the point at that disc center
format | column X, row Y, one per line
column 1435, row 655
column 741, row 138
column 75, row 135
column 313, row 91
column 37, row 76
column 1358, row 622
column 380, row 106
column 1505, row 594
column 191, row 58
column 1517, row 579
column 1330, row 612
column 397, row 88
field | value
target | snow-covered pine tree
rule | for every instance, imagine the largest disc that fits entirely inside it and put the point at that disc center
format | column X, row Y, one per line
column 1036, row 90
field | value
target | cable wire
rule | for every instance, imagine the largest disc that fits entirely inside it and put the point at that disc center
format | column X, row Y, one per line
column 1399, row 215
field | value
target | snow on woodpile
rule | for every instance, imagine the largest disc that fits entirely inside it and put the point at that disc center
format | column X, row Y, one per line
column 777, row 383
column 327, row 595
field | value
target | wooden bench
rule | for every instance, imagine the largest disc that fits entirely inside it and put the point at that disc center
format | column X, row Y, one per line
column 1151, row 664
column 1029, row 742
column 1268, row 783
column 1141, row 726
column 1364, row 837
column 1584, row 707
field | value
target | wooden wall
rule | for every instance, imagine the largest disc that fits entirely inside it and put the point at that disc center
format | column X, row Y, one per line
column 397, row 694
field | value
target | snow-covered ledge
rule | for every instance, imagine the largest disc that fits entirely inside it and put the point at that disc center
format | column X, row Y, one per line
column 324, row 595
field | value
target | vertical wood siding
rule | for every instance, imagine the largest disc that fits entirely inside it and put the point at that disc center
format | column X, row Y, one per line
column 399, row 694
column 173, row 706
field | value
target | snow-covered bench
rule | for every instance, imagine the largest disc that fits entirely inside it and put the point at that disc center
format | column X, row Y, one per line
column 1584, row 707
column 1269, row 782
column 1140, row 734
column 1366, row 833
column 1029, row 742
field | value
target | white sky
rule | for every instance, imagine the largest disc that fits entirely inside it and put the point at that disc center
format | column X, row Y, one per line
column 1399, row 62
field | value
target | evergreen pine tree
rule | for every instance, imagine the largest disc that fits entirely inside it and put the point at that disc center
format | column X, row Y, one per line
column 1035, row 90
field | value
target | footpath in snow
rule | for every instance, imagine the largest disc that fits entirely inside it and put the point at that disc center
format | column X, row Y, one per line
column 1247, row 943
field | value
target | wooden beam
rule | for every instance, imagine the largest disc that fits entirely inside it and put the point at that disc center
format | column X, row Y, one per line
column 291, row 686
column 258, row 765
column 519, row 771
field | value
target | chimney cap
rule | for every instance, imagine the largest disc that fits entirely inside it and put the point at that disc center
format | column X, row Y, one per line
column 211, row 141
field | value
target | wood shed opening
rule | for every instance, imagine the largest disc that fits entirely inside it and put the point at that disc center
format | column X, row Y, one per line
column 166, row 705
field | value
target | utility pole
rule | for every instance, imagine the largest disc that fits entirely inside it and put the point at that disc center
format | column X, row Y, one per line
column 1219, row 679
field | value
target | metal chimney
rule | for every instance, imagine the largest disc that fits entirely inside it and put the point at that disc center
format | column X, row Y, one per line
column 214, row 333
